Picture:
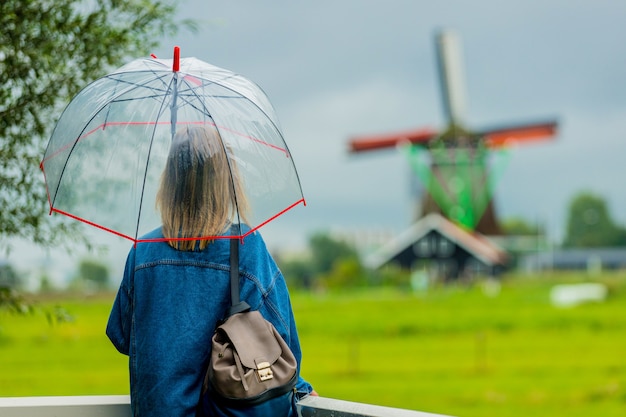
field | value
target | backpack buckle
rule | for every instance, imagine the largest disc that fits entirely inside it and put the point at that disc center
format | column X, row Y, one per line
column 264, row 372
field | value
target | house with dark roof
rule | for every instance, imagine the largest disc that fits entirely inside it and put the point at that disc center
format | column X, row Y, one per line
column 443, row 248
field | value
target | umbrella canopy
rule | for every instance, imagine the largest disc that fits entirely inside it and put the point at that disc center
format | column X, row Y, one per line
column 105, row 158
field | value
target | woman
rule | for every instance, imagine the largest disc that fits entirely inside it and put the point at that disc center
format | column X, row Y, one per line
column 175, row 289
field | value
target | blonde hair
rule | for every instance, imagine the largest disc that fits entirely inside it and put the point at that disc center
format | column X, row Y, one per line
column 200, row 191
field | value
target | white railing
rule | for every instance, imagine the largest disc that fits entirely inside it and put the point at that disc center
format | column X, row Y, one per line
column 119, row 406
column 87, row 406
column 328, row 407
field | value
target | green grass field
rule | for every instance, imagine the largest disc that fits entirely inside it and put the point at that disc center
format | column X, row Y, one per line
column 451, row 350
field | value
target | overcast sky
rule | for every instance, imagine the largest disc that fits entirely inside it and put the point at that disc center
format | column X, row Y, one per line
column 338, row 68
column 335, row 69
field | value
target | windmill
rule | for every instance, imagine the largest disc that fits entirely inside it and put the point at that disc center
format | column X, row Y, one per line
column 458, row 167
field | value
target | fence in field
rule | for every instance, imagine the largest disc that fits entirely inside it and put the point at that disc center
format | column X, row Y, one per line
column 119, row 406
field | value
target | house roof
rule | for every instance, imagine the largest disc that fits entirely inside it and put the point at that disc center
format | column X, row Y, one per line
column 475, row 243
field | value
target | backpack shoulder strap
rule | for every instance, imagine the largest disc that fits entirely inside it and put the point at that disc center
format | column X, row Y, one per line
column 236, row 305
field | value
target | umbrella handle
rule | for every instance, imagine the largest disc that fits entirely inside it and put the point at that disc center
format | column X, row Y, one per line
column 176, row 65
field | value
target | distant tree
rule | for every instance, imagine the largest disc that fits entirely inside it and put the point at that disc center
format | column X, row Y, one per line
column 45, row 284
column 330, row 262
column 345, row 273
column 589, row 224
column 325, row 251
column 516, row 226
column 95, row 273
column 8, row 277
column 13, row 302
column 297, row 272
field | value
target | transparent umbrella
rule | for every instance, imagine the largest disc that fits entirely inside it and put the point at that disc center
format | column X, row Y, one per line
column 104, row 160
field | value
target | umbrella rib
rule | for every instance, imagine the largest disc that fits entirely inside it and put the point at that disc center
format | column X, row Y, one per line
column 207, row 112
column 143, row 184
column 90, row 223
column 133, row 85
column 156, row 91
column 228, row 161
column 286, row 149
column 83, row 135
column 234, row 76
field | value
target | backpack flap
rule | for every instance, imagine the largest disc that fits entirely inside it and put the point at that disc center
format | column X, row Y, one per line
column 252, row 338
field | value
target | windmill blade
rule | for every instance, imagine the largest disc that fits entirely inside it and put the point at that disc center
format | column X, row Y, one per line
column 506, row 135
column 376, row 142
column 450, row 67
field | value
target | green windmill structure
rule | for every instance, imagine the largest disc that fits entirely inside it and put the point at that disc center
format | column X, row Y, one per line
column 458, row 167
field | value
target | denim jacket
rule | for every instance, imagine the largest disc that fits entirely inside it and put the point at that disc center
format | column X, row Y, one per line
column 167, row 307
